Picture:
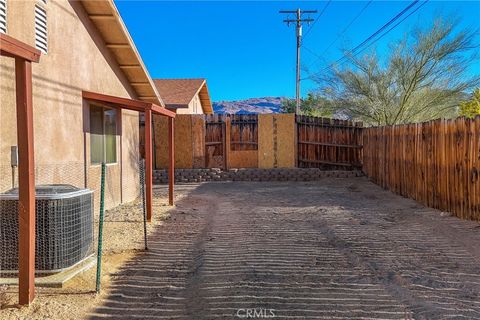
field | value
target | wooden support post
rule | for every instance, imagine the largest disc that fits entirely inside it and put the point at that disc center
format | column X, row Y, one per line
column 227, row 137
column 148, row 162
column 171, row 160
column 26, row 182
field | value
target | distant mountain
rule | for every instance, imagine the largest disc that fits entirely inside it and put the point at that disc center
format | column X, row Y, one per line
column 252, row 105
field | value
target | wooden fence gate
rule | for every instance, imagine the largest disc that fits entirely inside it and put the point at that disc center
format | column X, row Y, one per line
column 215, row 153
column 328, row 143
column 244, row 132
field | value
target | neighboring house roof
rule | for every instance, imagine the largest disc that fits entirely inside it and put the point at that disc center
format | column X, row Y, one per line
column 106, row 18
column 178, row 93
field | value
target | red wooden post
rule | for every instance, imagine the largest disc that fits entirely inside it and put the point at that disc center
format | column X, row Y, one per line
column 148, row 161
column 26, row 185
column 171, row 159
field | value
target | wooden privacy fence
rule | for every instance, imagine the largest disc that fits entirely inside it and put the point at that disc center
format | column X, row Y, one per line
column 231, row 140
column 436, row 163
column 265, row 141
column 215, row 153
column 328, row 143
column 244, row 132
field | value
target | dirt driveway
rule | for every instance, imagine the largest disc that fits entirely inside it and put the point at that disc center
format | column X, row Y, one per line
column 334, row 249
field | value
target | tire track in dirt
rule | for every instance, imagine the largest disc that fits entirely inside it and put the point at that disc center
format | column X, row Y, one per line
column 335, row 249
column 194, row 301
column 284, row 265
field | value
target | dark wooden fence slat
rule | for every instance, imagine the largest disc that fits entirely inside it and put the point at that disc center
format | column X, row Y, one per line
column 436, row 163
column 328, row 143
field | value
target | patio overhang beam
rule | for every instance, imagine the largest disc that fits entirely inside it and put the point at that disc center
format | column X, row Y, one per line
column 126, row 103
column 24, row 55
column 13, row 48
column 148, row 108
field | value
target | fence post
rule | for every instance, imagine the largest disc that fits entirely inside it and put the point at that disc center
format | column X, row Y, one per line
column 142, row 191
column 100, row 229
column 228, row 131
column 171, row 160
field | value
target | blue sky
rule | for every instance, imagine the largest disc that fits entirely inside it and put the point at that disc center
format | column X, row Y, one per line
column 243, row 48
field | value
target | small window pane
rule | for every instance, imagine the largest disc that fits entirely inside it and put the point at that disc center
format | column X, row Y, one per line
column 96, row 134
column 110, row 135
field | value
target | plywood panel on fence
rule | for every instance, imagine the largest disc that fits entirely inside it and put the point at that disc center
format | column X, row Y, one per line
column 276, row 140
column 243, row 159
column 329, row 143
column 436, row 163
column 160, row 132
column 198, row 141
column 183, row 142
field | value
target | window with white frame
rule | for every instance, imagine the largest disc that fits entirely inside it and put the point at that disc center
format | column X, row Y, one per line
column 3, row 16
column 103, row 133
column 41, row 31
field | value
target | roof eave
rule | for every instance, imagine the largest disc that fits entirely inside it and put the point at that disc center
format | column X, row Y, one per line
column 205, row 102
column 107, row 19
column 176, row 106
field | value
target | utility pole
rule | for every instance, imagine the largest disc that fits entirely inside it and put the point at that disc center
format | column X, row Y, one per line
column 298, row 21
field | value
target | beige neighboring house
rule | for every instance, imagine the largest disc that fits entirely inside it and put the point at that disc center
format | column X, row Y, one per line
column 185, row 96
column 85, row 47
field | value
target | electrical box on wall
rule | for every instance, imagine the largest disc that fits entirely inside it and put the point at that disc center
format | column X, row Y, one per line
column 14, row 156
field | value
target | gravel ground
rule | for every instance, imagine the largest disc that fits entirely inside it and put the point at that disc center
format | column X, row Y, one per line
column 123, row 240
column 332, row 249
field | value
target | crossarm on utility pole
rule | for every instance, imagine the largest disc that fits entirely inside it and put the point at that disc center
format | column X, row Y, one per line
column 298, row 22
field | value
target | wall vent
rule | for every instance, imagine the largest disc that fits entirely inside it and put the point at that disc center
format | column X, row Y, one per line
column 41, row 40
column 3, row 16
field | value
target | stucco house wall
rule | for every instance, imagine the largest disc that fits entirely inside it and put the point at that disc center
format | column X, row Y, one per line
column 194, row 107
column 77, row 60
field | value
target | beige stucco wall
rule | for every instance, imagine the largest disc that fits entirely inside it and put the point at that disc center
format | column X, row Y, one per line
column 276, row 140
column 194, row 107
column 77, row 60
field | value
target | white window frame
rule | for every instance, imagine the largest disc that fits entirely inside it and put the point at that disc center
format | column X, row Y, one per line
column 104, row 157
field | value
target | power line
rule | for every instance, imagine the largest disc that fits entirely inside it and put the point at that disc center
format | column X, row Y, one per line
column 311, row 51
column 364, row 43
column 320, row 57
column 318, row 18
column 298, row 22
column 348, row 26
column 386, row 25
column 415, row 10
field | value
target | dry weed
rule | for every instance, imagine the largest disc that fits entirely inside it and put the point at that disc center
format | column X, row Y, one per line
column 5, row 299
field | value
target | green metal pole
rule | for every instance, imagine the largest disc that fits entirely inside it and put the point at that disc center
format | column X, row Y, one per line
column 100, row 228
column 142, row 190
